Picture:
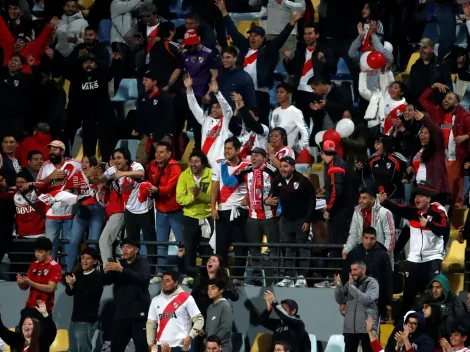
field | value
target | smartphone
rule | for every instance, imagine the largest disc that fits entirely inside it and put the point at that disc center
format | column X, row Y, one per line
column 112, row 260
column 68, row 274
column 103, row 166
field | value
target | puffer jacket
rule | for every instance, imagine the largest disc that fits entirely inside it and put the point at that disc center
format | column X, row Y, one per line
column 382, row 222
column 121, row 17
column 70, row 27
column 361, row 301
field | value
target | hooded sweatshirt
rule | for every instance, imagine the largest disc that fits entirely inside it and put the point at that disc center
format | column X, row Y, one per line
column 38, row 141
column 418, row 339
column 237, row 80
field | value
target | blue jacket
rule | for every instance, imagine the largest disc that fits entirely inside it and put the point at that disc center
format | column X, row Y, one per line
column 237, row 80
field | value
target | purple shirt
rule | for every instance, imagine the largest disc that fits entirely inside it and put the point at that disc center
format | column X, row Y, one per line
column 198, row 65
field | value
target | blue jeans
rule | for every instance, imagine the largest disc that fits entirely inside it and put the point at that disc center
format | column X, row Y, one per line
column 55, row 229
column 166, row 221
column 81, row 336
column 88, row 216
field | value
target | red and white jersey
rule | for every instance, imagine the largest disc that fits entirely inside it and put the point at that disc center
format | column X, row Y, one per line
column 43, row 273
column 447, row 129
column 28, row 221
column 173, row 315
column 285, row 151
column 75, row 181
column 307, row 71
column 214, row 131
column 250, row 140
column 420, row 167
column 129, row 190
column 249, row 65
column 393, row 110
column 230, row 197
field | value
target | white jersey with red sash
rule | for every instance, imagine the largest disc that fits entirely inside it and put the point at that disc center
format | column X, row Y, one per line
column 230, row 197
column 173, row 315
column 420, row 167
column 285, row 151
column 214, row 131
column 250, row 140
column 249, row 65
column 394, row 109
column 152, row 33
column 307, row 71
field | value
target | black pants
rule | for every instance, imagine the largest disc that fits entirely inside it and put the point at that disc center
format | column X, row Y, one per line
column 106, row 131
column 7, row 218
column 263, row 106
column 254, row 231
column 145, row 222
column 338, row 230
column 419, row 276
column 351, row 342
column 13, row 125
column 231, row 231
column 126, row 329
column 291, row 232
column 302, row 102
column 192, row 239
column 127, row 68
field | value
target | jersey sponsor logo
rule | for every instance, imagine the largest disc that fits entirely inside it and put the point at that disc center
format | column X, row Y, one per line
column 90, row 85
column 24, row 210
column 167, row 315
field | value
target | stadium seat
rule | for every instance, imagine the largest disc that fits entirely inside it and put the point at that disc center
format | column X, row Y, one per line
column 104, row 32
column 61, row 342
column 127, row 90
column 313, row 342
column 245, row 26
column 335, row 344
column 238, row 342
column 130, row 144
column 404, row 75
column 85, row 5
column 455, row 258
column 262, row 342
column 248, row 275
column 385, row 332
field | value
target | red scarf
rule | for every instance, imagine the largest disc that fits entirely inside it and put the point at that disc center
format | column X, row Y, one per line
column 150, row 38
column 309, row 63
column 212, row 135
column 365, row 45
column 249, row 144
column 256, row 189
column 250, row 59
column 446, row 127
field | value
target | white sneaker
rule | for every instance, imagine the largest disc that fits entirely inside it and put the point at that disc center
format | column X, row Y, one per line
column 300, row 282
column 187, row 281
column 325, row 284
column 156, row 280
column 286, row 282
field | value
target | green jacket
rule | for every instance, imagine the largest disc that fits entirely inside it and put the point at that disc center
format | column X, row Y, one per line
column 199, row 207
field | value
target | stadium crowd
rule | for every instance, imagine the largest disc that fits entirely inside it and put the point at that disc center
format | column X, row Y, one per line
column 252, row 107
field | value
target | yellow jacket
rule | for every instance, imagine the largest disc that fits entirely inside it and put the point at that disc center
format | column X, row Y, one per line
column 195, row 207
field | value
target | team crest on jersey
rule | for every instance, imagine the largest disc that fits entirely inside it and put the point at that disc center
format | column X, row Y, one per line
column 155, row 101
column 16, row 82
column 388, row 165
column 276, row 118
column 296, row 185
column 201, row 59
column 46, row 271
column 175, row 305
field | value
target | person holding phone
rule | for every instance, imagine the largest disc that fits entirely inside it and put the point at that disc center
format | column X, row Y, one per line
column 429, row 232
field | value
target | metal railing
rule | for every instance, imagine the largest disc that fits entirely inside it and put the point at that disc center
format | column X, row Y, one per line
column 319, row 263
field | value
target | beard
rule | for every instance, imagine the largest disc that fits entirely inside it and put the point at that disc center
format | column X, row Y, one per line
column 55, row 158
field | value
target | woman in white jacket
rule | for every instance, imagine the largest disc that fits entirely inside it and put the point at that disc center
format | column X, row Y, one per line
column 386, row 104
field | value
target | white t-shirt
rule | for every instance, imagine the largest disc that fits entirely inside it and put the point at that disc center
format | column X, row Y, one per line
column 451, row 145
column 129, row 189
column 230, row 197
column 173, row 315
column 292, row 120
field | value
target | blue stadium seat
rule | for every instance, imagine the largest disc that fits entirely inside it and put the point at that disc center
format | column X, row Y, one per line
column 104, row 32
column 130, row 144
column 178, row 22
column 248, row 275
column 313, row 342
column 127, row 90
column 342, row 67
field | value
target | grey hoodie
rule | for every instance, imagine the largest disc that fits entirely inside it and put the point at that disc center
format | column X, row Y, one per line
column 361, row 301
column 219, row 322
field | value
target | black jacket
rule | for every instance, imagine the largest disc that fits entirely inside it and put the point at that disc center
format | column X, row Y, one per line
column 88, row 92
column 100, row 51
column 297, row 198
column 423, row 76
column 268, row 54
column 296, row 64
column 163, row 60
column 420, row 341
column 286, row 328
column 16, row 340
column 155, row 115
column 338, row 99
column 336, row 185
column 237, row 80
column 378, row 266
column 131, row 288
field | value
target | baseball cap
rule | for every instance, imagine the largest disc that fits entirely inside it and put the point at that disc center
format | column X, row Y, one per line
column 150, row 74
column 88, row 57
column 259, row 151
column 425, row 42
column 191, row 38
column 424, row 189
column 289, row 160
column 56, row 144
column 23, row 37
column 257, row 30
column 130, row 241
column 329, row 148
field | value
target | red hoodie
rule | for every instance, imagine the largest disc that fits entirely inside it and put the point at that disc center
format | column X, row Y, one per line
column 34, row 48
column 167, row 179
column 36, row 142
